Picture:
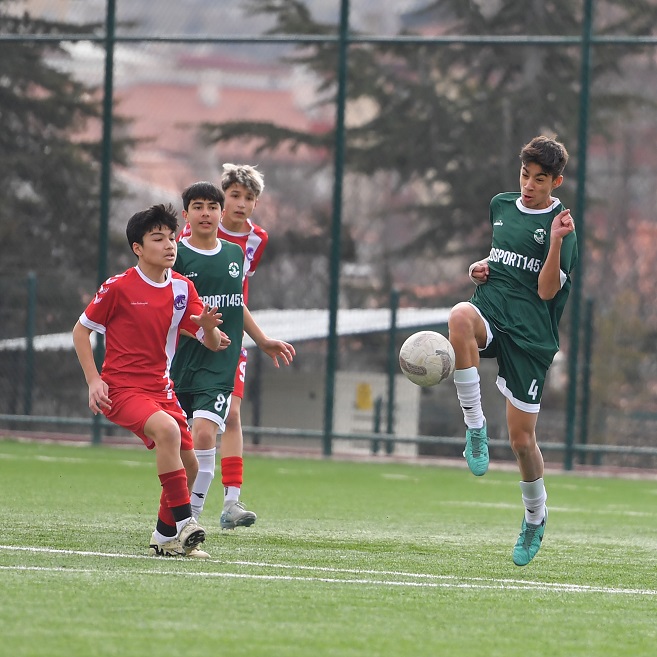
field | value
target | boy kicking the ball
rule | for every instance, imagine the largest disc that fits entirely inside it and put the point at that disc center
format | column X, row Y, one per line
column 513, row 316
column 141, row 312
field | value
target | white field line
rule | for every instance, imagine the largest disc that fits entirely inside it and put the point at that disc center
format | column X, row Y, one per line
column 366, row 577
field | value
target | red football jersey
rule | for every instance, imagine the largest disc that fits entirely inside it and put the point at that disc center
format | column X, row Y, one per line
column 252, row 244
column 141, row 321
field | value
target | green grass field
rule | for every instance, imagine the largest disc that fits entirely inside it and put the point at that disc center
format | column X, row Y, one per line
column 346, row 559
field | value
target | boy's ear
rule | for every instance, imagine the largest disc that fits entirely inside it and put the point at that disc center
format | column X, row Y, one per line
column 136, row 249
column 184, row 215
column 557, row 182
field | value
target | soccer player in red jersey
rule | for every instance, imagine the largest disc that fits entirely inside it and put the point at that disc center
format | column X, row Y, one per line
column 242, row 186
column 141, row 313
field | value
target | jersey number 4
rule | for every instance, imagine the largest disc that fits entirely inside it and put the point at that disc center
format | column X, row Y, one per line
column 533, row 390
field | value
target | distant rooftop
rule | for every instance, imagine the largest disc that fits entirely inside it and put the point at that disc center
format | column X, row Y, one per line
column 293, row 326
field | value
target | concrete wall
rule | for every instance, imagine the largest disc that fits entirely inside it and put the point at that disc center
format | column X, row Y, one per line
column 296, row 399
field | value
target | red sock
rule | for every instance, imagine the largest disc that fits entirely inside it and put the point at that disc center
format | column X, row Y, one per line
column 232, row 471
column 164, row 512
column 174, row 486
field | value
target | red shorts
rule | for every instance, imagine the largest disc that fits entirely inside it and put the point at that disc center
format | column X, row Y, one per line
column 131, row 409
column 240, row 375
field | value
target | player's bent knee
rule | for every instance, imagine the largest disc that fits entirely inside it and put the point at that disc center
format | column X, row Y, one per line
column 166, row 436
column 522, row 444
column 205, row 439
column 462, row 321
column 161, row 422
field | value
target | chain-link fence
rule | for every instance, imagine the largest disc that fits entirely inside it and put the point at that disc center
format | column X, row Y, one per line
column 382, row 133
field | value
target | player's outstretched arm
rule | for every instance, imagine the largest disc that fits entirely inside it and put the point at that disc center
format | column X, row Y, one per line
column 98, row 389
column 275, row 349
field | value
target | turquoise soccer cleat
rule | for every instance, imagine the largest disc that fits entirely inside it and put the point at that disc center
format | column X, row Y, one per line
column 529, row 542
column 476, row 450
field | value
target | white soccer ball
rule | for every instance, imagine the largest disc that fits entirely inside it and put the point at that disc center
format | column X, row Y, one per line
column 427, row 358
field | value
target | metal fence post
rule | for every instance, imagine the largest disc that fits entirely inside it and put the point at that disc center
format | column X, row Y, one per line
column 334, row 285
column 105, row 185
column 29, row 343
column 392, row 368
column 586, row 378
column 582, row 143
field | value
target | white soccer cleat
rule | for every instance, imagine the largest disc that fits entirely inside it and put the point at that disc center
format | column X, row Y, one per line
column 171, row 548
column 191, row 535
column 174, row 548
column 235, row 515
column 195, row 553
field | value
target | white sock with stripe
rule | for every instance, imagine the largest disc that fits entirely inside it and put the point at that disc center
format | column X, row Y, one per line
column 206, row 467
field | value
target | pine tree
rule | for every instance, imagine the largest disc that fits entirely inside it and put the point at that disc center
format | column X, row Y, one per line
column 49, row 213
column 449, row 119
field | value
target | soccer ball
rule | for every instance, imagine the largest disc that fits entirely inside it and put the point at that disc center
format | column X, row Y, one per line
column 427, row 358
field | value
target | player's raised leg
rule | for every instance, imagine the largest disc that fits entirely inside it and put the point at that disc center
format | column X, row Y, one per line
column 467, row 333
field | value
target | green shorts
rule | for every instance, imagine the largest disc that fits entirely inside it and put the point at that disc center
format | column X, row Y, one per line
column 212, row 405
column 520, row 377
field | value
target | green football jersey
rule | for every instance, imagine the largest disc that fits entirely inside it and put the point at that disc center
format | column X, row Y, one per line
column 509, row 299
column 217, row 277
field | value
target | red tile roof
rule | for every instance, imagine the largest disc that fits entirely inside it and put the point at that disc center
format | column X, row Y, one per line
column 166, row 116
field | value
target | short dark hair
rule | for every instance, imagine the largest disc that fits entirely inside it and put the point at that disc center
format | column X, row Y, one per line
column 204, row 191
column 157, row 216
column 550, row 154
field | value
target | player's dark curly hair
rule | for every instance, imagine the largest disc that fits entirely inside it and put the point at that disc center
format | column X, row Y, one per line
column 550, row 154
column 157, row 216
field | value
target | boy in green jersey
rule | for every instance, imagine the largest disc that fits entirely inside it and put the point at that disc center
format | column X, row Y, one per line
column 513, row 316
column 204, row 385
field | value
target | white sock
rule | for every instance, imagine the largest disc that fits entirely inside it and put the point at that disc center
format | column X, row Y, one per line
column 180, row 524
column 231, row 494
column 468, row 391
column 534, row 497
column 161, row 538
column 206, row 466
